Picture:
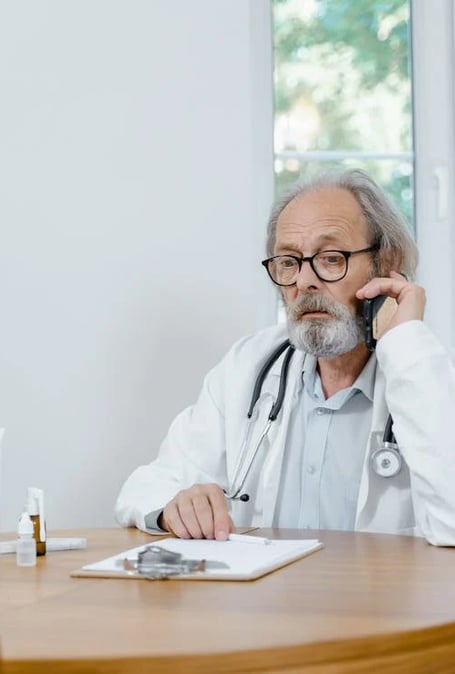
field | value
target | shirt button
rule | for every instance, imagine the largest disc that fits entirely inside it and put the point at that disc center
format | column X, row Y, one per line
column 310, row 470
column 320, row 410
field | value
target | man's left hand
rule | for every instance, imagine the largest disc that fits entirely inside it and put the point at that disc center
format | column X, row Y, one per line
column 409, row 297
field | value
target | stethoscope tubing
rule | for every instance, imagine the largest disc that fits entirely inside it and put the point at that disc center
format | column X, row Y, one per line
column 381, row 466
column 239, row 480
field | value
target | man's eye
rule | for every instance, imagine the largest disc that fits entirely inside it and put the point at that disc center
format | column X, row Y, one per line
column 287, row 263
column 332, row 260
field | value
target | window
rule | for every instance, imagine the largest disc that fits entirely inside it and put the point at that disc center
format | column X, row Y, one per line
column 343, row 92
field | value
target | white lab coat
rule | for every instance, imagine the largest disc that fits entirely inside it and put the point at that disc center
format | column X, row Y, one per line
column 415, row 381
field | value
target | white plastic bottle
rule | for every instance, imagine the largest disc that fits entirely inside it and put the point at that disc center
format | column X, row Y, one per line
column 26, row 544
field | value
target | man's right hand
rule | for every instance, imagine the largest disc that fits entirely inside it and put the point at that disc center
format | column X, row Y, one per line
column 198, row 512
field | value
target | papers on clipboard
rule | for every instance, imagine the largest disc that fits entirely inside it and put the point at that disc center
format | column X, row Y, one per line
column 241, row 558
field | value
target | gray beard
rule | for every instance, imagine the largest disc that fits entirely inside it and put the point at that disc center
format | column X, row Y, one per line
column 323, row 337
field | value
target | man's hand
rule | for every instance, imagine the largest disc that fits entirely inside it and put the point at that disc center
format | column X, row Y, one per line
column 198, row 512
column 409, row 296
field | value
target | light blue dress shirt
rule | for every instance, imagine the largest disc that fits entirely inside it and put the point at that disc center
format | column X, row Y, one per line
column 325, row 451
column 324, row 454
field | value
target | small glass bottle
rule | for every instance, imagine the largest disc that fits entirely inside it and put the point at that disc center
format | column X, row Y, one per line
column 35, row 508
column 26, row 544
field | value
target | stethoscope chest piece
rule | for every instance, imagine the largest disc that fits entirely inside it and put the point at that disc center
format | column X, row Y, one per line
column 387, row 460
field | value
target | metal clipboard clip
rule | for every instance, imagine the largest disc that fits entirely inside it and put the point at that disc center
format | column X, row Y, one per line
column 156, row 563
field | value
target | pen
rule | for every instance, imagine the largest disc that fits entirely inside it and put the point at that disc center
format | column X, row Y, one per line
column 243, row 538
column 52, row 544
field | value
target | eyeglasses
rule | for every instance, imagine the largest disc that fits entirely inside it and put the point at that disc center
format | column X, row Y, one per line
column 328, row 265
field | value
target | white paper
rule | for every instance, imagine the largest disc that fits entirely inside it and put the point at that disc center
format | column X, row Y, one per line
column 244, row 559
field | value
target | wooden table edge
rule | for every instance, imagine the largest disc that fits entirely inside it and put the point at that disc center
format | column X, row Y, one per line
column 421, row 650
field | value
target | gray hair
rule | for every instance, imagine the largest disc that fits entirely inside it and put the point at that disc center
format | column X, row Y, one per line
column 387, row 227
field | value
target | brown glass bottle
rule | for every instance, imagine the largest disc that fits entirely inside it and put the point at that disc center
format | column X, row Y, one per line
column 40, row 545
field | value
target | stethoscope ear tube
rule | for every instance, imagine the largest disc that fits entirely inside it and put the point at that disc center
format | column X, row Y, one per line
column 388, row 432
column 387, row 460
column 274, row 412
column 263, row 374
column 239, row 478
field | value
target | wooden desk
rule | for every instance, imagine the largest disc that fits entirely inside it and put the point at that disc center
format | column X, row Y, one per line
column 364, row 602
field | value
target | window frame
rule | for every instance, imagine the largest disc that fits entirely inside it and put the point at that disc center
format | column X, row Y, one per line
column 432, row 36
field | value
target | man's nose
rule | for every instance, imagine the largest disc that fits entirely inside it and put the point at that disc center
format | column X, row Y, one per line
column 307, row 278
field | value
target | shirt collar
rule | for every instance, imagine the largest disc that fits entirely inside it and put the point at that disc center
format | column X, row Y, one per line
column 364, row 382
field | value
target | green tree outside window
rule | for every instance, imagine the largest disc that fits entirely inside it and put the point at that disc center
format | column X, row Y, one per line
column 342, row 85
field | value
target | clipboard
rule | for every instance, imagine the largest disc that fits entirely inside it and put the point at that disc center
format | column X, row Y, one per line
column 237, row 559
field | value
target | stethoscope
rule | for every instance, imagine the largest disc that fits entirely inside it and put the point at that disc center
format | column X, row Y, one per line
column 386, row 461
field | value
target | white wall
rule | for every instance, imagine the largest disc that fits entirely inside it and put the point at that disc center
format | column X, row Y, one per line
column 135, row 181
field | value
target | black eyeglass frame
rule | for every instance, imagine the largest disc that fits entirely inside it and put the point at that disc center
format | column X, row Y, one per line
column 300, row 260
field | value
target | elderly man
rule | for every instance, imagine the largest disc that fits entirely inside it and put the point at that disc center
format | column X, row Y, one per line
column 312, row 453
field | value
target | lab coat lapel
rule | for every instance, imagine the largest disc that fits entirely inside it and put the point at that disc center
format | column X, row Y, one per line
column 278, row 430
column 379, row 419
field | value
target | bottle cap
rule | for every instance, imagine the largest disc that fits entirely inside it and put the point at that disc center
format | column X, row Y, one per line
column 31, row 505
column 25, row 527
column 35, row 506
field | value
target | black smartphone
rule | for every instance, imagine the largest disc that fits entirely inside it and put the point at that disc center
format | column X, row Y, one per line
column 377, row 313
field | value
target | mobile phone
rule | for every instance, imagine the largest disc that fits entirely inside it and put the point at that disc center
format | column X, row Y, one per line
column 377, row 313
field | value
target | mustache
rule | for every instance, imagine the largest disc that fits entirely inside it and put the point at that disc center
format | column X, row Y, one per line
column 308, row 303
